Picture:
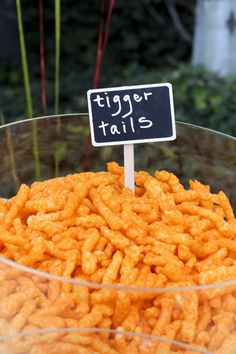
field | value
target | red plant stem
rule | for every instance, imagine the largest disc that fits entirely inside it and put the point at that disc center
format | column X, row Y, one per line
column 42, row 57
column 97, row 73
column 107, row 31
column 102, row 43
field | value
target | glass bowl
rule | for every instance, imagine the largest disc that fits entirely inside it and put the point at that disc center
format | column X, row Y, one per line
column 46, row 147
column 45, row 313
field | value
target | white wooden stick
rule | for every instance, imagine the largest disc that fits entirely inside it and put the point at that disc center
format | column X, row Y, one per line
column 129, row 165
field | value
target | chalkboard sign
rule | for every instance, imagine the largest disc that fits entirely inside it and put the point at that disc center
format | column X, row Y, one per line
column 131, row 114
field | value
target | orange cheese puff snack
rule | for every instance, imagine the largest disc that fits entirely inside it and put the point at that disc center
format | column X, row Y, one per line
column 132, row 319
column 3, row 206
column 170, row 330
column 21, row 318
column 225, row 205
column 115, row 237
column 165, row 316
column 121, row 308
column 188, row 302
column 228, row 347
column 58, row 347
column 128, row 270
column 111, row 197
column 205, row 316
column 111, row 218
column 88, row 227
column 218, row 274
column 224, row 325
column 112, row 270
column 16, row 204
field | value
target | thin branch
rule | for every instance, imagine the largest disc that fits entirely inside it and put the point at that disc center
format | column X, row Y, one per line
column 28, row 89
column 57, row 56
column 42, row 57
column 177, row 22
column 108, row 23
column 10, row 147
column 24, row 61
column 97, row 72
column 153, row 12
column 103, row 34
column 2, row 119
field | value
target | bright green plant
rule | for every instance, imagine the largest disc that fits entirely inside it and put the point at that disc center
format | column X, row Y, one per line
column 2, row 120
column 24, row 60
column 27, row 89
column 57, row 56
column 10, row 148
column 57, row 81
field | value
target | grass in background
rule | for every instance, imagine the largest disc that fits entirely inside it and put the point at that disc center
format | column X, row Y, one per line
column 10, row 147
column 2, row 120
column 57, row 56
column 24, row 61
column 28, row 90
column 57, row 79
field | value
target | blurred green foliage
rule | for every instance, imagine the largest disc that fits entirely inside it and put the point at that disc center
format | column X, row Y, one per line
column 200, row 97
column 204, row 99
column 142, row 38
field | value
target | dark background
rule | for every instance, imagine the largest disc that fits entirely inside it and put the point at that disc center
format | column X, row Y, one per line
column 145, row 46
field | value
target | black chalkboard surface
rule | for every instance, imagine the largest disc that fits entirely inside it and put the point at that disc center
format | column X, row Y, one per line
column 131, row 114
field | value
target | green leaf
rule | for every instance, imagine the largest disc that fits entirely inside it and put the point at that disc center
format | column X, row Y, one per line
column 200, row 96
column 59, row 150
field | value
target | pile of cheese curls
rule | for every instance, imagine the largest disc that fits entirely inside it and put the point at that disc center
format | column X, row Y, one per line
column 89, row 227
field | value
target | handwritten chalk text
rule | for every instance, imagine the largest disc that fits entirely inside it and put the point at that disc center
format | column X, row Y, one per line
column 131, row 114
column 125, row 126
column 120, row 105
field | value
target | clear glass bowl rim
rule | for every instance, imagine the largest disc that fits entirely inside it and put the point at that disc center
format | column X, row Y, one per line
column 115, row 287
column 94, row 285
column 180, row 123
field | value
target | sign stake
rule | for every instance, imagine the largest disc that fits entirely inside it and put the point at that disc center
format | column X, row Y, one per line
column 129, row 166
column 129, row 115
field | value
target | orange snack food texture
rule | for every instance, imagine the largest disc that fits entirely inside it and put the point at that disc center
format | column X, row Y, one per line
column 89, row 227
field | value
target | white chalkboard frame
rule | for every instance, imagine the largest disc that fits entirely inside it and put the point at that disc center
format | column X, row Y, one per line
column 133, row 87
